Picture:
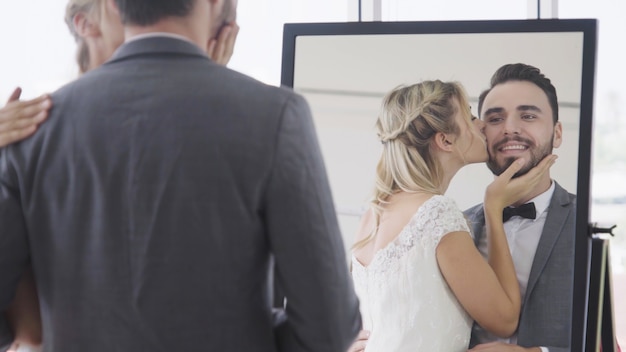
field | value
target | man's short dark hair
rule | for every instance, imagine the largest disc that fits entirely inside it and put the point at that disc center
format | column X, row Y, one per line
column 147, row 12
column 523, row 72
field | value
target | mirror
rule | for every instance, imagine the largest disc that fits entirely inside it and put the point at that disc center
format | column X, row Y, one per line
column 345, row 69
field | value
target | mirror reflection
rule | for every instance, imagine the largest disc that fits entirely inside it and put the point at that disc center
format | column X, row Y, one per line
column 346, row 77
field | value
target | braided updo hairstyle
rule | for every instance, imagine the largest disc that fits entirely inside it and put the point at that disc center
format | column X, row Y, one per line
column 73, row 8
column 410, row 117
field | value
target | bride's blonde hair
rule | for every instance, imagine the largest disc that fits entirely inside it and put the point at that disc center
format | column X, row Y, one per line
column 410, row 117
column 90, row 8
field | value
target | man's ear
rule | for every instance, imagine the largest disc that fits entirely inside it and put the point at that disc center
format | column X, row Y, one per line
column 557, row 139
column 85, row 26
column 443, row 141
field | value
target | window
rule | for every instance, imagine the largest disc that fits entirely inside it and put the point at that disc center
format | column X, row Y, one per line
column 259, row 44
column 608, row 190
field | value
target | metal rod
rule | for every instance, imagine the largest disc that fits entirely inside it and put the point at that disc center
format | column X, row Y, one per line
column 538, row 9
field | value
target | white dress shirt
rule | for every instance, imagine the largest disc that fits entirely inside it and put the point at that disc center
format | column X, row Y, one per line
column 523, row 237
column 157, row 34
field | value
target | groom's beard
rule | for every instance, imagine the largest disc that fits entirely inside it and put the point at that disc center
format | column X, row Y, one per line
column 537, row 153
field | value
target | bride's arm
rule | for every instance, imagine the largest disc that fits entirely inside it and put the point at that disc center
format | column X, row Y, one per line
column 477, row 286
column 489, row 291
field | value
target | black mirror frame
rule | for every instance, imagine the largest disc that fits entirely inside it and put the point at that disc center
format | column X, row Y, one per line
column 589, row 29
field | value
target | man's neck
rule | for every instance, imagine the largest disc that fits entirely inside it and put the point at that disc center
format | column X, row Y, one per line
column 173, row 26
column 541, row 187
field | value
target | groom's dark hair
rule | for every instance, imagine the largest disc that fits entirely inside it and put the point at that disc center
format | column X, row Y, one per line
column 147, row 12
column 527, row 73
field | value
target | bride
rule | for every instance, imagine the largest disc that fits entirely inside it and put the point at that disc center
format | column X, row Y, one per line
column 419, row 277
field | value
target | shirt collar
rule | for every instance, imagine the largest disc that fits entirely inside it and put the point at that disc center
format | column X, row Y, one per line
column 542, row 201
column 157, row 34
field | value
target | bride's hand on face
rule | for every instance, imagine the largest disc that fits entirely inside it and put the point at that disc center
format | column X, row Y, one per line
column 19, row 119
column 220, row 49
column 506, row 190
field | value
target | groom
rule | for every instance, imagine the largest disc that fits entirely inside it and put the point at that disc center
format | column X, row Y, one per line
column 161, row 193
column 520, row 111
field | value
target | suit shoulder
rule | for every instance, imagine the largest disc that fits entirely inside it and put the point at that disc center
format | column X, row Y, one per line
column 80, row 85
column 473, row 211
column 572, row 198
column 563, row 195
column 60, row 102
column 247, row 84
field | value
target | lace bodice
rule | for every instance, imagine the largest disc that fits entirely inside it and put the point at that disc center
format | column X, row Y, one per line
column 405, row 301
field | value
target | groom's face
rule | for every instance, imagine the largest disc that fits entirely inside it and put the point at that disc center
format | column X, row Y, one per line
column 518, row 124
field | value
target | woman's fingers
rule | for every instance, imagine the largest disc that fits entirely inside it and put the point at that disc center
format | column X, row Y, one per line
column 536, row 173
column 221, row 49
column 24, row 109
column 19, row 119
column 512, row 169
column 17, row 92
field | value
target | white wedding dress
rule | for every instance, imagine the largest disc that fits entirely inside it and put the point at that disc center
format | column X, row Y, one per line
column 405, row 302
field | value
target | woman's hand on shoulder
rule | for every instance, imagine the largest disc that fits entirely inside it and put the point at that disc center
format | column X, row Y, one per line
column 506, row 190
column 19, row 119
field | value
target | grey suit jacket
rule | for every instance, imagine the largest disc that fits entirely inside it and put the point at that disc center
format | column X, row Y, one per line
column 546, row 314
column 153, row 202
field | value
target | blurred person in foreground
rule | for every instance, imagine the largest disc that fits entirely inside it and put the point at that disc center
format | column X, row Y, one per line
column 171, row 186
column 98, row 32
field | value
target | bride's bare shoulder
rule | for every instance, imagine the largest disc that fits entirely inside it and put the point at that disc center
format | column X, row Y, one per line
column 366, row 225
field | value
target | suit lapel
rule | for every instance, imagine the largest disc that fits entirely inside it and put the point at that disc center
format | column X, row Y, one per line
column 557, row 216
column 477, row 217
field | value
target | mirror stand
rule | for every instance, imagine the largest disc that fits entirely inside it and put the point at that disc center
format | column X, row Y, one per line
column 600, row 318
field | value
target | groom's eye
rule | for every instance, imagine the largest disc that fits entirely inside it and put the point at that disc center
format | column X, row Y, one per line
column 493, row 119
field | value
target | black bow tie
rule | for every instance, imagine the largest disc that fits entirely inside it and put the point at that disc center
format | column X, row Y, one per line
column 525, row 210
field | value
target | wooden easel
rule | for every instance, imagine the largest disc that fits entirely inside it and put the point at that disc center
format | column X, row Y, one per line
column 600, row 318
